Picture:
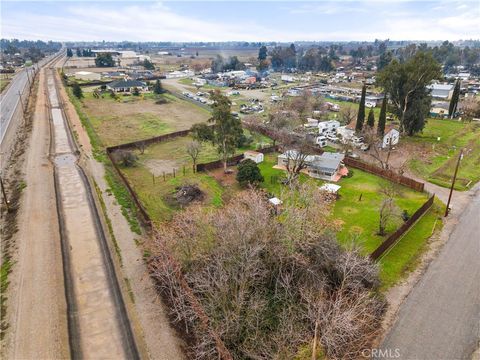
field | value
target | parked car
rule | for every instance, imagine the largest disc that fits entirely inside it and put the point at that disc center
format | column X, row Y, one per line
column 321, row 141
column 332, row 138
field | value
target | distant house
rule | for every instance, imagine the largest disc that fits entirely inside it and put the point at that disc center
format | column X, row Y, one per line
column 441, row 91
column 391, row 137
column 253, row 155
column 126, row 85
column 330, row 126
column 287, row 78
column 347, row 131
column 328, row 166
column 87, row 76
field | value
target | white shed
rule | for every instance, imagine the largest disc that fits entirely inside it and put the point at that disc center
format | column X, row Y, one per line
column 253, row 155
column 391, row 138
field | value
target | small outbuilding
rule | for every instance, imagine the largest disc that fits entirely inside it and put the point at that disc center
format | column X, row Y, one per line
column 391, row 137
column 330, row 188
column 254, row 155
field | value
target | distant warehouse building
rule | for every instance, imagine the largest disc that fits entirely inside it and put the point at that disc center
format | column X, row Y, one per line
column 441, row 91
column 87, row 76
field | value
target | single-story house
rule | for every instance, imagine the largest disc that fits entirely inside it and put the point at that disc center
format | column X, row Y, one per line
column 126, row 85
column 328, row 166
column 87, row 76
column 253, row 155
column 441, row 91
column 391, row 137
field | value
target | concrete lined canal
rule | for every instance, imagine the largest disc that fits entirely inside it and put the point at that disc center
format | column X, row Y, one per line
column 96, row 313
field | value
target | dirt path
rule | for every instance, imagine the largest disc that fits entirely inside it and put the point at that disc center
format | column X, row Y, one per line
column 36, row 303
column 149, row 315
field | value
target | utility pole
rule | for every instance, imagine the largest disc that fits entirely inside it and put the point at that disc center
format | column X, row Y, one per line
column 460, row 157
column 28, row 77
column 7, row 203
column 21, row 103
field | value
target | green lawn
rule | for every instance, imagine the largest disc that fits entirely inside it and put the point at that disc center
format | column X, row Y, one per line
column 359, row 218
column 404, row 256
column 441, row 142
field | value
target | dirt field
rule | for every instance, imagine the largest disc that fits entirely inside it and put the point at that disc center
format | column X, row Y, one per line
column 119, row 122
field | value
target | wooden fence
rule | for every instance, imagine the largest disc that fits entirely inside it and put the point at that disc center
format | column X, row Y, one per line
column 393, row 239
column 149, row 141
column 232, row 161
column 386, row 174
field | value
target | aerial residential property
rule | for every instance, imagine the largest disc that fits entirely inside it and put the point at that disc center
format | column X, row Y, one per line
column 240, row 180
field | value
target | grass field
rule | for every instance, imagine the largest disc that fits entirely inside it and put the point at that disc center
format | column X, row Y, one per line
column 5, row 80
column 134, row 118
column 437, row 150
column 360, row 218
column 168, row 157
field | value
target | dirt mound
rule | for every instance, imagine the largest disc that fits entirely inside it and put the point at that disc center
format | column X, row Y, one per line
column 188, row 193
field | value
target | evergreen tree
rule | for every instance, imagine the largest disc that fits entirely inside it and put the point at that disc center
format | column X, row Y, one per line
column 262, row 53
column 249, row 173
column 454, row 101
column 371, row 119
column 77, row 91
column 405, row 83
column 157, row 88
column 226, row 127
column 383, row 117
column 361, row 110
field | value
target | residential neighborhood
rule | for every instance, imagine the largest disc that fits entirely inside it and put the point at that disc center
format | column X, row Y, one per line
column 240, row 180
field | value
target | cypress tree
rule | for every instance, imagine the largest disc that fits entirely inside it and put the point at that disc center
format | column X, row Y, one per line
column 77, row 90
column 383, row 118
column 361, row 110
column 454, row 101
column 371, row 119
column 157, row 88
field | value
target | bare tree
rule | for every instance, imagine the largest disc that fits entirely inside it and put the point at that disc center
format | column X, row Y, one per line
column 377, row 151
column 348, row 114
column 471, row 107
column 388, row 211
column 247, row 267
column 193, row 150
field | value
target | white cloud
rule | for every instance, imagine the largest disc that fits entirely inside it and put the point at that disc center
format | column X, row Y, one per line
column 155, row 21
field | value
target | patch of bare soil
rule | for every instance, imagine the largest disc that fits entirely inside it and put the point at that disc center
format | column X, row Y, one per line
column 159, row 167
column 225, row 179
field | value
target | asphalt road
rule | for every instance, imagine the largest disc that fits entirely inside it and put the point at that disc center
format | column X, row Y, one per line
column 440, row 319
column 10, row 98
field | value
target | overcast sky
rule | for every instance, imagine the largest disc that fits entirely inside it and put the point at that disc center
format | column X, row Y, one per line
column 240, row 20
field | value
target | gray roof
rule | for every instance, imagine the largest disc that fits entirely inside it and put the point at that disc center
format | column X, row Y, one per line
column 327, row 161
column 126, row 84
